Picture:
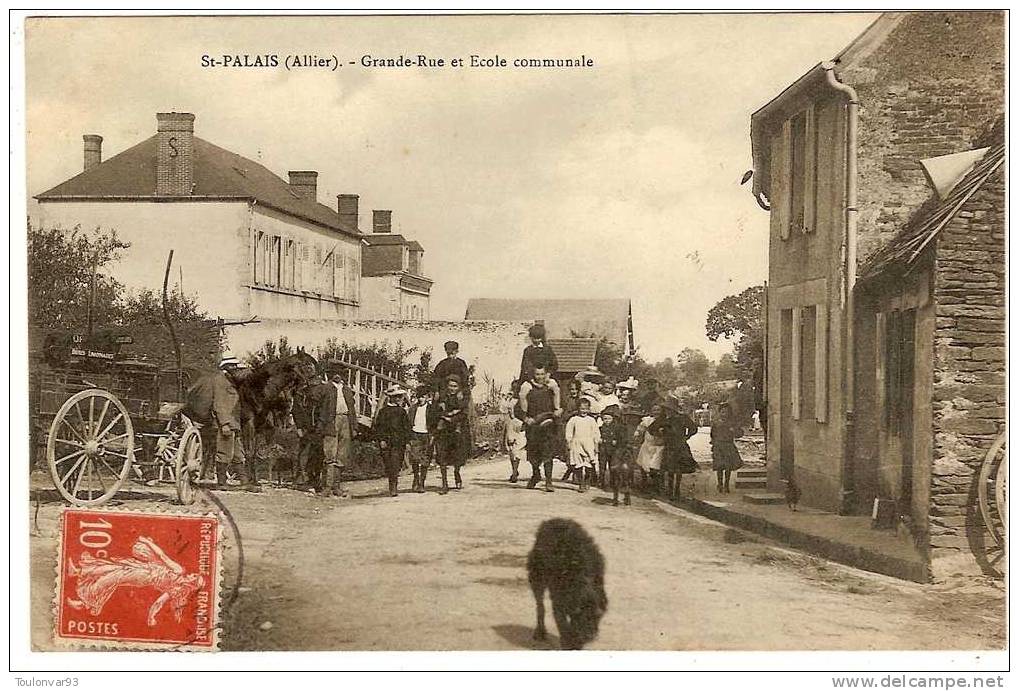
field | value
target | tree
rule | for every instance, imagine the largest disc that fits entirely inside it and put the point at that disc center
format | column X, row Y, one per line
column 694, row 367
column 60, row 266
column 740, row 317
column 726, row 368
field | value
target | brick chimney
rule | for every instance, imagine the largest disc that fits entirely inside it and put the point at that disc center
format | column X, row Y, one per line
column 304, row 183
column 346, row 207
column 175, row 160
column 382, row 221
column 93, row 150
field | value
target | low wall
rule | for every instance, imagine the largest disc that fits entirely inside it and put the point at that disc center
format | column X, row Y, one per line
column 493, row 347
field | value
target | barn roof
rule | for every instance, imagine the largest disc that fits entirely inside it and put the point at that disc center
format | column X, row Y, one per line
column 563, row 318
column 218, row 174
column 909, row 244
column 574, row 354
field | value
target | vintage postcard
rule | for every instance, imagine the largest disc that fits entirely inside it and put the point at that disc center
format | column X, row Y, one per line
column 672, row 332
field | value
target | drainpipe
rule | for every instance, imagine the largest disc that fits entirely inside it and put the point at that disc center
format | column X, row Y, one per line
column 848, row 288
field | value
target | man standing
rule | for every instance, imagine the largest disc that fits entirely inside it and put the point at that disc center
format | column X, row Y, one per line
column 334, row 418
column 214, row 402
column 309, row 447
column 539, row 403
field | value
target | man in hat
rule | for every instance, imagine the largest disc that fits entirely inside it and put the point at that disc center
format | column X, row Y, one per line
column 336, row 422
column 213, row 401
column 392, row 431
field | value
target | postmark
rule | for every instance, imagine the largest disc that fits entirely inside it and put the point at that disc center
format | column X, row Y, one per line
column 138, row 580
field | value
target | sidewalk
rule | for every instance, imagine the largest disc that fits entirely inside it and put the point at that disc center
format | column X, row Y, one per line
column 844, row 539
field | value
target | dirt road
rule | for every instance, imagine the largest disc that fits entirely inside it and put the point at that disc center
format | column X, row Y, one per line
column 431, row 572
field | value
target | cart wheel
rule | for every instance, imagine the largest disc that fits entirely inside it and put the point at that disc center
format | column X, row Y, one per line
column 188, row 465
column 90, row 447
column 992, row 491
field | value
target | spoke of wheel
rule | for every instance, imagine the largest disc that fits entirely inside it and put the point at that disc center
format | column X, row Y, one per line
column 68, row 456
column 119, row 436
column 99, row 476
column 90, row 476
column 110, row 426
column 81, row 474
column 102, row 413
column 91, row 416
column 115, row 453
column 80, row 418
column 73, row 429
column 69, row 443
column 112, row 470
column 70, row 472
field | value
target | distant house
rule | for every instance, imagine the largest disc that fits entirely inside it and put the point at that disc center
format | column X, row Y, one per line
column 248, row 242
column 608, row 319
column 393, row 283
column 883, row 173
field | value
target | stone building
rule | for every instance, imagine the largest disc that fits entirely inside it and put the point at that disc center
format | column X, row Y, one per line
column 393, row 283
column 854, row 161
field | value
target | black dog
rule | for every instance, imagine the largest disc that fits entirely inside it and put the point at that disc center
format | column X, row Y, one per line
column 566, row 561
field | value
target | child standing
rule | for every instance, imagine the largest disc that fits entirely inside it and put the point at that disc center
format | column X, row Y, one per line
column 612, row 456
column 675, row 429
column 725, row 456
column 513, row 434
column 451, row 431
column 392, row 431
column 582, row 438
column 422, row 426
column 649, row 458
column 538, row 353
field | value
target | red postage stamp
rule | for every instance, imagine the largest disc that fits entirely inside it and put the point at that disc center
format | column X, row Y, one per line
column 142, row 580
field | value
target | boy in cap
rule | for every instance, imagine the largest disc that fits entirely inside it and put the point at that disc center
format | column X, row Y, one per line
column 423, row 418
column 392, row 431
column 612, row 456
column 452, row 364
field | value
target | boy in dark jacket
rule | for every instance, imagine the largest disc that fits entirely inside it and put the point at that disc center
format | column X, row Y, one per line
column 612, row 455
column 392, row 431
column 451, row 433
column 538, row 354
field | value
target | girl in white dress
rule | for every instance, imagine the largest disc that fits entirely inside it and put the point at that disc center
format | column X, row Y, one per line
column 582, row 439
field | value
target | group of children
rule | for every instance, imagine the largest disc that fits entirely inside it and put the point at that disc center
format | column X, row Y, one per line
column 603, row 432
column 434, row 422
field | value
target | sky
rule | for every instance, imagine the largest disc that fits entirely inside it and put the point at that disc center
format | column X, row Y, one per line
column 620, row 180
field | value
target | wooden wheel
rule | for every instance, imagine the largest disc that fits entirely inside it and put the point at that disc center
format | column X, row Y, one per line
column 188, row 465
column 992, row 490
column 90, row 447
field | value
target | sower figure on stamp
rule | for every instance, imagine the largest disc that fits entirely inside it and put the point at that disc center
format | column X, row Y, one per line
column 539, row 402
column 213, row 402
column 392, row 431
column 423, row 419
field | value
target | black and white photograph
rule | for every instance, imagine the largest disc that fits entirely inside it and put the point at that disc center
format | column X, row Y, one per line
column 519, row 333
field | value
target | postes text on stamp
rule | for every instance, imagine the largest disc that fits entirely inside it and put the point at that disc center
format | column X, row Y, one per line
column 142, row 580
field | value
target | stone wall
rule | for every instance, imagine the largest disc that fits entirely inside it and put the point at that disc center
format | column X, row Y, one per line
column 969, row 376
column 932, row 87
column 493, row 347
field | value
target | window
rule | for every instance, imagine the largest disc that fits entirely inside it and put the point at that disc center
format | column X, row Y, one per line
column 258, row 258
column 339, row 266
column 809, row 377
column 799, row 144
column 896, row 335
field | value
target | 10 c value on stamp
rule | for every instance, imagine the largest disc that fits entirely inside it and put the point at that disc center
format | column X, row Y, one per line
column 138, row 580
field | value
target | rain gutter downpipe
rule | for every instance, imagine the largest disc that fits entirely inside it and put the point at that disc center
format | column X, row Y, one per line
column 848, row 290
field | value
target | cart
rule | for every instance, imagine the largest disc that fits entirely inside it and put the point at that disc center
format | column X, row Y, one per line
column 108, row 418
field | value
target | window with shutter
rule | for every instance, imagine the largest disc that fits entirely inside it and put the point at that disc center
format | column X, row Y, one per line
column 797, row 360
column 257, row 257
column 781, row 174
column 821, row 363
column 298, row 265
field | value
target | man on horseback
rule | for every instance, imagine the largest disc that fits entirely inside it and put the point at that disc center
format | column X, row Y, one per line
column 213, row 401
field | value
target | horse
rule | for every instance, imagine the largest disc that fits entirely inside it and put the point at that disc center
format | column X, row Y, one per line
column 266, row 395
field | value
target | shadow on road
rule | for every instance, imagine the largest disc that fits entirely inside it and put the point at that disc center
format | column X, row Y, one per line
column 51, row 496
column 523, row 637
